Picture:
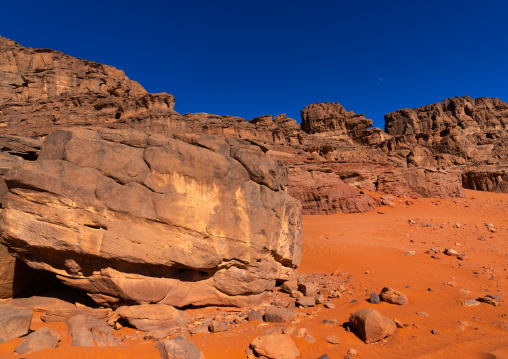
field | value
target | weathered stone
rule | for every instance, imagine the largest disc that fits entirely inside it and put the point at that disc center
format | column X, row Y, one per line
column 14, row 322
column 147, row 317
column 306, row 301
column 393, row 296
column 275, row 346
column 372, row 325
column 332, row 339
column 178, row 348
column 279, row 315
column 374, row 298
column 41, row 339
column 125, row 233
column 216, row 327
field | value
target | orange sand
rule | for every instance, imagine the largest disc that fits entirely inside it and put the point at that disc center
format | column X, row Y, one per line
column 377, row 242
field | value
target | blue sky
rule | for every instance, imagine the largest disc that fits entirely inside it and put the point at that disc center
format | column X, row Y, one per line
column 250, row 58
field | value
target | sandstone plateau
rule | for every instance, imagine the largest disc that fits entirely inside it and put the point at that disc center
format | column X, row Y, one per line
column 107, row 189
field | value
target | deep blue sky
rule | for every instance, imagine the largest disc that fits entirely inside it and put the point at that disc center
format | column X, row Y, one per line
column 250, row 58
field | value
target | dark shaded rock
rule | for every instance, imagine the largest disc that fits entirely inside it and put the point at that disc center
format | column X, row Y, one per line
column 279, row 315
column 255, row 315
column 374, row 298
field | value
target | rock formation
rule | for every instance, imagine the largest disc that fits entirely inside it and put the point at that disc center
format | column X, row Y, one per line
column 129, row 217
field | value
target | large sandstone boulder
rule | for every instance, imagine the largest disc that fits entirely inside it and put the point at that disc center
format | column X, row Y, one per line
column 132, row 218
column 372, row 325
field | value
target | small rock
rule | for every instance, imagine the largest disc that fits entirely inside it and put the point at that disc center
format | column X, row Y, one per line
column 329, row 305
column 324, row 356
column 255, row 315
column 332, row 339
column 352, row 352
column 41, row 339
column 423, row 314
column 178, row 348
column 398, row 323
column 393, row 296
column 309, row 338
column 308, row 288
column 451, row 252
column 306, row 301
column 302, row 332
column 374, row 298
column 279, row 315
column 434, row 331
column 216, row 327
column 372, row 325
column 319, row 298
column 275, row 346
column 410, row 253
column 289, row 330
column 488, row 300
column 470, row 303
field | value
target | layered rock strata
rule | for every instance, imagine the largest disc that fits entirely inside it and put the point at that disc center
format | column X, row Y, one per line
column 133, row 218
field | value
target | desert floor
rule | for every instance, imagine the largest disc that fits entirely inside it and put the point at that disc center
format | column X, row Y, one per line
column 370, row 251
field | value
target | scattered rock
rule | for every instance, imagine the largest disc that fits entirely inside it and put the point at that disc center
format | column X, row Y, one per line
column 423, row 314
column 306, row 301
column 216, row 327
column 279, row 315
column 372, row 325
column 410, row 253
column 178, row 348
column 255, row 315
column 14, row 322
column 275, row 346
column 324, row 356
column 393, row 296
column 329, row 305
column 488, row 300
column 308, row 288
column 451, row 252
column 374, row 298
column 470, row 303
column 352, row 352
column 332, row 339
column 41, row 339
column 434, row 331
column 320, row 298
column 148, row 317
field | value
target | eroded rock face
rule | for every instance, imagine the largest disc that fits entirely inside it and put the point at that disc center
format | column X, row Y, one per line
column 43, row 88
column 132, row 218
column 331, row 119
column 326, row 193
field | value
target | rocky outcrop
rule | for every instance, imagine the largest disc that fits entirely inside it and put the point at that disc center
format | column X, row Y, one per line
column 43, row 88
column 133, row 218
column 486, row 178
column 482, row 113
column 326, row 193
column 331, row 119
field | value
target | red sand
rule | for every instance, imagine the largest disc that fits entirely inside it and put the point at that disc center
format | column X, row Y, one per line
column 377, row 242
